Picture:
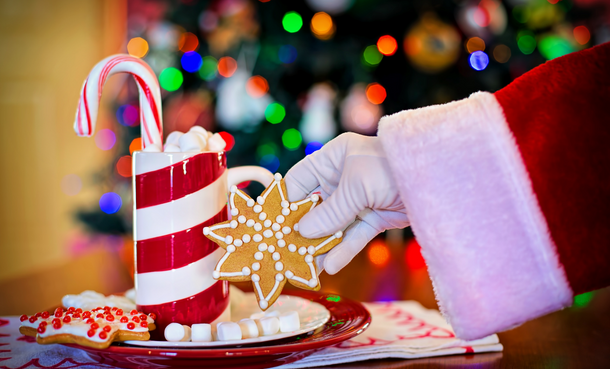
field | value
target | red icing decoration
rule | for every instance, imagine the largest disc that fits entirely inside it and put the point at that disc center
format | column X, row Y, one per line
column 91, row 332
column 41, row 329
column 136, row 319
column 99, row 316
column 71, row 309
column 67, row 319
column 152, row 316
column 133, row 312
column 124, row 319
column 23, row 318
column 144, row 324
column 79, row 310
column 76, row 315
column 95, row 326
column 59, row 312
column 45, row 314
column 119, row 312
column 86, row 314
column 131, row 325
column 57, row 324
column 109, row 318
column 107, row 328
column 90, row 320
column 114, row 308
column 103, row 335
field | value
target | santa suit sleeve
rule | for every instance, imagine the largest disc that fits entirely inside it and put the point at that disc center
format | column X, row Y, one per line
column 509, row 193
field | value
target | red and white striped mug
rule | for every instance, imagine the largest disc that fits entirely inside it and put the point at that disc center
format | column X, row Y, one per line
column 175, row 196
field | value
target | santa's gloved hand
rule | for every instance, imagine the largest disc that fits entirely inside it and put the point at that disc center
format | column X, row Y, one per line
column 353, row 171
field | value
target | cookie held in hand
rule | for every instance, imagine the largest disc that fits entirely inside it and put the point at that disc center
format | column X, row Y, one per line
column 264, row 245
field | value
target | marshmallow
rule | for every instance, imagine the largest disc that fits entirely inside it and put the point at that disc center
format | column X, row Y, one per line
column 187, row 334
column 191, row 142
column 289, row 321
column 248, row 328
column 228, row 331
column 203, row 137
column 257, row 315
column 268, row 326
column 176, row 332
column 171, row 148
column 216, row 143
column 272, row 313
column 173, row 138
column 201, row 332
column 200, row 130
column 152, row 148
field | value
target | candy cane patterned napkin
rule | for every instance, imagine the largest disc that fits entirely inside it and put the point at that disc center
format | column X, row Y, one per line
column 400, row 329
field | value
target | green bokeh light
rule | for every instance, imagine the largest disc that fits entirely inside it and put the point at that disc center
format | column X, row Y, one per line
column 552, row 47
column 209, row 68
column 171, row 79
column 371, row 55
column 583, row 299
column 521, row 14
column 275, row 113
column 292, row 139
column 526, row 42
column 292, row 22
column 266, row 149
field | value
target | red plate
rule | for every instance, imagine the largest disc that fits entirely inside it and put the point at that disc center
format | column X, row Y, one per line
column 347, row 319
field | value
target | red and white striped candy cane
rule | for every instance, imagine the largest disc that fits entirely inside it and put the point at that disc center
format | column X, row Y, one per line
column 151, row 121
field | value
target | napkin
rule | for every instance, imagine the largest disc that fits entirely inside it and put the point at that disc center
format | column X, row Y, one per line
column 399, row 329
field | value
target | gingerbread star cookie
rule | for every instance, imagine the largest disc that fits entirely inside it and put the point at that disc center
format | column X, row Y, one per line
column 263, row 243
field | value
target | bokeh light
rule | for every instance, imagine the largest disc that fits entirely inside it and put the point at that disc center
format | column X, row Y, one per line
column 582, row 34
column 209, row 68
column 105, row 139
column 322, row 26
column 526, row 42
column 583, row 299
column 375, row 93
column 552, row 47
column 275, row 113
column 502, row 53
column 71, row 184
column 378, row 253
column 188, row 42
column 191, row 61
column 478, row 60
column 270, row 162
column 291, row 138
column 227, row 66
column 413, row 257
column 127, row 115
column 475, row 44
column 123, row 166
column 266, row 149
column 312, row 147
column 135, row 145
column 287, row 54
column 481, row 16
column 110, row 203
column 292, row 22
column 170, row 79
column 137, row 47
column 387, row 45
column 371, row 55
column 229, row 140
column 257, row 86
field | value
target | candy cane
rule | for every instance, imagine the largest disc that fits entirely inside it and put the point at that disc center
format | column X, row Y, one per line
column 151, row 121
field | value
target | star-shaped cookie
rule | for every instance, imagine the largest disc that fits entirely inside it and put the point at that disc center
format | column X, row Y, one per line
column 263, row 243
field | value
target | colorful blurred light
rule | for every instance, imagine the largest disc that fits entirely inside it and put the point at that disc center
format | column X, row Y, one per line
column 478, row 60
column 582, row 34
column 552, row 47
column 191, row 61
column 227, row 66
column 270, row 162
column 71, row 184
column 275, row 113
column 110, row 202
column 322, row 26
column 127, row 115
column 502, row 53
column 123, row 166
column 287, row 54
column 312, row 147
column 378, row 253
column 209, row 68
column 188, row 42
column 387, row 45
column 481, row 16
column 170, row 79
column 257, row 86
column 521, row 14
column 413, row 257
column 137, row 47
column 292, row 22
column 375, row 93
column 583, row 299
column 291, row 138
column 475, row 44
column 135, row 145
column 105, row 139
column 371, row 55
column 526, row 42
column 266, row 149
column 229, row 140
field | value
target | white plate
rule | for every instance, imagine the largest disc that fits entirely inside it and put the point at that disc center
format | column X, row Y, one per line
column 311, row 314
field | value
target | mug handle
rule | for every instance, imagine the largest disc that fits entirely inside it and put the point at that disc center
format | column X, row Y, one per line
column 238, row 175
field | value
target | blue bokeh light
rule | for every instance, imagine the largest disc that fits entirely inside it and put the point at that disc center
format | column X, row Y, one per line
column 127, row 115
column 312, row 147
column 287, row 54
column 270, row 162
column 191, row 61
column 110, row 202
column 478, row 60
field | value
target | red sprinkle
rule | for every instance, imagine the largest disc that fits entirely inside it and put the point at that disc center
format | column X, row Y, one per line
column 33, row 318
column 144, row 324
column 79, row 310
column 76, row 315
column 134, row 312
column 91, row 332
column 90, row 320
column 106, row 307
column 43, row 323
column 136, row 319
column 56, row 325
column 58, row 314
column 109, row 318
column 41, row 328
column 124, row 319
column 119, row 312
column 114, row 308
column 152, row 316
column 56, row 320
column 23, row 318
column 95, row 326
column 45, row 314
column 143, row 317
column 101, row 316
column 131, row 325
column 67, row 319
column 86, row 314
column 38, row 315
column 107, row 328
column 71, row 309
column 103, row 335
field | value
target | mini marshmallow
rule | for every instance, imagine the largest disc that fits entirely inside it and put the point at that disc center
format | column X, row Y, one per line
column 187, row 334
column 216, row 143
column 289, row 321
column 152, row 148
column 268, row 326
column 191, row 142
column 173, row 138
column 248, row 328
column 272, row 313
column 200, row 130
column 171, row 148
column 175, row 332
column 229, row 331
column 201, row 332
column 257, row 315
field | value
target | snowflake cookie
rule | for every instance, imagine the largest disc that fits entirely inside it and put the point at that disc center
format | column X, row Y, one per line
column 263, row 243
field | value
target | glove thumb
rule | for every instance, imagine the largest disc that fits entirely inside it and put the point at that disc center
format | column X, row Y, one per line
column 355, row 238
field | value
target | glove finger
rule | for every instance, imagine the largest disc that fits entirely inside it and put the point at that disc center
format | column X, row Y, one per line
column 356, row 237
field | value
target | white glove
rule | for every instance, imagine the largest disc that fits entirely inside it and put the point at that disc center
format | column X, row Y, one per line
column 353, row 170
